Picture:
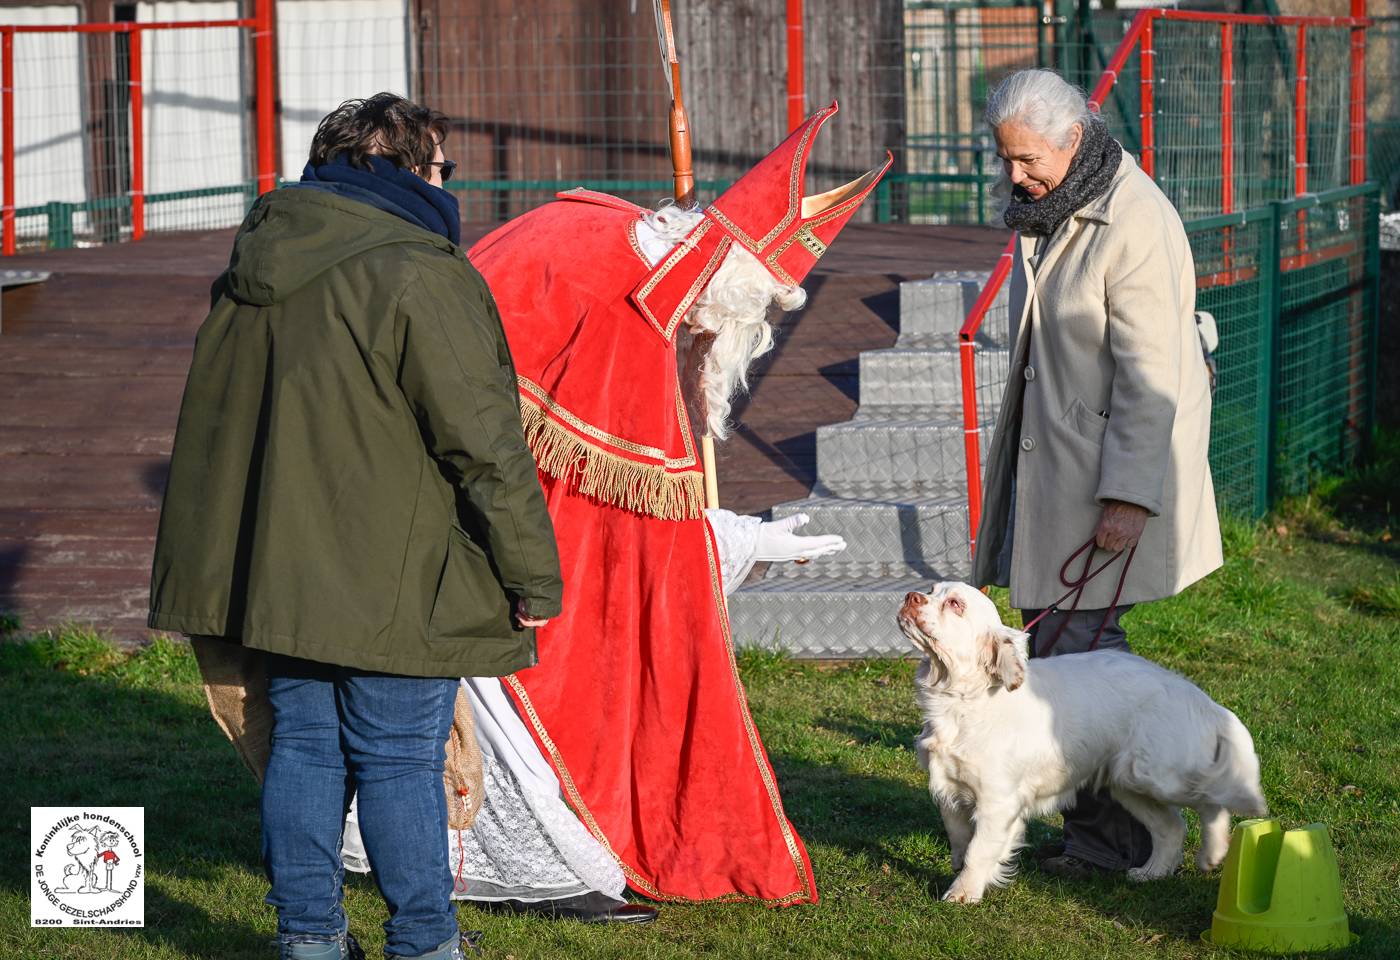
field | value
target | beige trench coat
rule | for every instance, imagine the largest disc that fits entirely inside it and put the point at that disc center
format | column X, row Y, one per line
column 1107, row 399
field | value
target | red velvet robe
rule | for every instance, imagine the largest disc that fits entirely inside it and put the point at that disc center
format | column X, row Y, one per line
column 636, row 700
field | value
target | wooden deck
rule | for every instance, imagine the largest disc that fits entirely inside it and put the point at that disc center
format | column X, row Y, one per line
column 93, row 363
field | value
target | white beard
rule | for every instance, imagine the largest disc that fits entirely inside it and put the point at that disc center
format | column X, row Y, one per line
column 734, row 307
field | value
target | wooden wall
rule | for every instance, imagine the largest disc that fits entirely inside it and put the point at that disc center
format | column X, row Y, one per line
column 564, row 90
column 573, row 90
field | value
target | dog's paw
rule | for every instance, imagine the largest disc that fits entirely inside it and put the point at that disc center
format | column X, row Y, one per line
column 1144, row 873
column 1207, row 863
column 962, row 893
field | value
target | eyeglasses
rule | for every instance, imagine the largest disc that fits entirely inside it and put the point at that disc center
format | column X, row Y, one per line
column 449, row 167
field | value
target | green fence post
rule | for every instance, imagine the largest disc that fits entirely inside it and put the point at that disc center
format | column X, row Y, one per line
column 981, row 187
column 1042, row 49
column 51, row 217
column 60, row 216
column 954, row 98
column 1268, row 388
column 1371, row 205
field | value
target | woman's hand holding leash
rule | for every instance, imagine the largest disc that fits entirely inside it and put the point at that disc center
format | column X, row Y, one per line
column 1120, row 525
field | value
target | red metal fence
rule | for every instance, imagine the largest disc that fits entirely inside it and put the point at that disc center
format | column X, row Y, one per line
column 123, row 205
column 1177, row 117
column 558, row 93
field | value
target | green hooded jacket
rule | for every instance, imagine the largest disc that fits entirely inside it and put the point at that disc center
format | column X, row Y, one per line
column 350, row 482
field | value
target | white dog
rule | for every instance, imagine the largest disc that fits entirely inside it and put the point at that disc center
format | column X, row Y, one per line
column 1005, row 739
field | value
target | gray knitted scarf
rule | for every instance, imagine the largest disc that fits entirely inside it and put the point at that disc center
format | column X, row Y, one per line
column 1089, row 174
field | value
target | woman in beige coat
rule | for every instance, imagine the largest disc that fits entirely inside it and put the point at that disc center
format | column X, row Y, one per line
column 1105, row 422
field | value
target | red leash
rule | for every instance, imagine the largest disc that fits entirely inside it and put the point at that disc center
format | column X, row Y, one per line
column 1076, row 590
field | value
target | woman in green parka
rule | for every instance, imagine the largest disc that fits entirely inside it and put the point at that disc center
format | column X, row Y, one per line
column 351, row 494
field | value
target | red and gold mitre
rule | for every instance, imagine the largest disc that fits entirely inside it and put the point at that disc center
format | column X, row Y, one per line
column 765, row 213
column 599, row 393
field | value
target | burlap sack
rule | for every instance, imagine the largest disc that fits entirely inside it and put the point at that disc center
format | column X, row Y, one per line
column 462, row 775
column 235, row 684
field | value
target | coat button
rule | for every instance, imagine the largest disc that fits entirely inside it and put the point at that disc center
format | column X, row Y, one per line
column 1027, row 444
column 1029, row 372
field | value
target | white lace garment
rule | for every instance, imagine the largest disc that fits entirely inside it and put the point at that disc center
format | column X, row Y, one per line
column 526, row 842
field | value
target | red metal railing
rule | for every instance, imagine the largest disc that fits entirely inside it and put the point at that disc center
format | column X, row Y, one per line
column 796, row 76
column 7, row 139
column 264, row 45
column 1139, row 39
column 262, row 26
column 138, row 141
column 1147, row 117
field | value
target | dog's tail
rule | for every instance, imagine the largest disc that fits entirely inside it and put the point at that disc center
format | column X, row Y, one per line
column 1232, row 779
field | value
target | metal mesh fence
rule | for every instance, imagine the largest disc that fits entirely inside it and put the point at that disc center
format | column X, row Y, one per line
column 1326, row 339
column 954, row 55
column 1251, row 138
column 51, row 162
column 1234, row 287
column 549, row 100
column 120, row 126
column 1383, row 108
column 329, row 51
column 198, row 145
column 555, row 94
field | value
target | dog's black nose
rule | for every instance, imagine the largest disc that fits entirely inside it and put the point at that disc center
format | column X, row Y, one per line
column 915, row 599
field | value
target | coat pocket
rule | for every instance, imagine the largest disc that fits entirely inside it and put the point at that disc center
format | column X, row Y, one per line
column 470, row 602
column 1086, row 422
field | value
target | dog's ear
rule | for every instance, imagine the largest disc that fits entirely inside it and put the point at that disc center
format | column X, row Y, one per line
column 1004, row 655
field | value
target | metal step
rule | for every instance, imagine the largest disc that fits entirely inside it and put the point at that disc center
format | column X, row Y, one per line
column 944, row 341
column 907, row 375
column 837, row 611
column 915, row 449
column 891, row 481
column 940, row 305
column 890, row 527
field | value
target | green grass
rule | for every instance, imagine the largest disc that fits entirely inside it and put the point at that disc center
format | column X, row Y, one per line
column 1299, row 634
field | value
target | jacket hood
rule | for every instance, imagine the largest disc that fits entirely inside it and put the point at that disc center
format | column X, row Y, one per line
column 293, row 235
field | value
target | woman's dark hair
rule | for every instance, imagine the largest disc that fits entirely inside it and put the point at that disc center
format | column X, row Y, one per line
column 384, row 125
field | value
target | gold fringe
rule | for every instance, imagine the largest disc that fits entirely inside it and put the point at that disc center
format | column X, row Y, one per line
column 595, row 472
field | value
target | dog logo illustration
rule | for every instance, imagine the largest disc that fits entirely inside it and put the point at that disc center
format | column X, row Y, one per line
column 88, row 867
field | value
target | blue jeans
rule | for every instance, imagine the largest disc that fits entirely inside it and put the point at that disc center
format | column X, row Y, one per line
column 338, row 731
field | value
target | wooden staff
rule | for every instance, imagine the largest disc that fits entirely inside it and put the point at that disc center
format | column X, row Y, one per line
column 684, row 176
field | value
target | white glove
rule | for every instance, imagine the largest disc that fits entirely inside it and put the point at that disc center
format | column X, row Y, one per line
column 777, row 542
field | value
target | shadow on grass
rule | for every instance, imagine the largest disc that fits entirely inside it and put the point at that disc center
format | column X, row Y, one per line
column 188, row 929
column 79, row 733
column 868, row 732
column 1367, row 499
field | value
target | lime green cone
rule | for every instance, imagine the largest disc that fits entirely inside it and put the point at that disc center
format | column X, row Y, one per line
column 1280, row 891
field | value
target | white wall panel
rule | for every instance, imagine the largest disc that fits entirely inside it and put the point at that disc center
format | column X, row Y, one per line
column 197, row 132
column 50, row 159
column 330, row 51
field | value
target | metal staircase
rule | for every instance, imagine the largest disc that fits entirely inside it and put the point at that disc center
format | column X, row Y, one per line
column 891, row 481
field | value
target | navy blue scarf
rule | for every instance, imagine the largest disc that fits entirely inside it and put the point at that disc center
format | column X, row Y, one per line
column 392, row 189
